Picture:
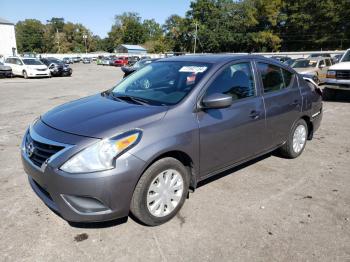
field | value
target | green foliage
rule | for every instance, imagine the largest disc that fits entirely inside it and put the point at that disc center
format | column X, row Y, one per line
column 222, row 26
column 30, row 36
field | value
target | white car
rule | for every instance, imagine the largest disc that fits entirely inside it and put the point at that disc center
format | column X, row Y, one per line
column 338, row 77
column 27, row 67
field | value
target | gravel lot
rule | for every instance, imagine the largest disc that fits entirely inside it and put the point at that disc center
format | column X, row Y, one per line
column 270, row 210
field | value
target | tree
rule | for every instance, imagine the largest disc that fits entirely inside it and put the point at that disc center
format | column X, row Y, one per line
column 153, row 30
column 30, row 36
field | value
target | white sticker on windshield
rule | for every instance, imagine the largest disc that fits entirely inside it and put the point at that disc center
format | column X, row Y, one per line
column 193, row 69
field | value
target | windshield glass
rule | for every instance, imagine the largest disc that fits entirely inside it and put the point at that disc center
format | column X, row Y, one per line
column 304, row 64
column 56, row 61
column 346, row 57
column 32, row 62
column 162, row 83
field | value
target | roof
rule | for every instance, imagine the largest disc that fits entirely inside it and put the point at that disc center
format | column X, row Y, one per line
column 5, row 22
column 134, row 47
column 210, row 58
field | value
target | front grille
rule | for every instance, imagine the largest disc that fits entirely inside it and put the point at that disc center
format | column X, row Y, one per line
column 39, row 69
column 343, row 74
column 39, row 152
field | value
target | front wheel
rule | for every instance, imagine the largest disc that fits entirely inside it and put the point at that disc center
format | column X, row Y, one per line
column 296, row 141
column 160, row 192
column 25, row 75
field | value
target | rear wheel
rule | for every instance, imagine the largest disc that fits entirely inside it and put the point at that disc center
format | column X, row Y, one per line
column 296, row 141
column 160, row 192
column 25, row 75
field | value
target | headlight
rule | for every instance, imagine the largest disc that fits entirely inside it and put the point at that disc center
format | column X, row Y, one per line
column 331, row 74
column 101, row 156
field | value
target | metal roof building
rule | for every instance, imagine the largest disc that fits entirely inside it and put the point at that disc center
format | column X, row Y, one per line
column 8, row 44
column 131, row 49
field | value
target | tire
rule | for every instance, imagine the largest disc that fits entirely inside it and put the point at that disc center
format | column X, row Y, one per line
column 290, row 149
column 25, row 75
column 329, row 94
column 145, row 195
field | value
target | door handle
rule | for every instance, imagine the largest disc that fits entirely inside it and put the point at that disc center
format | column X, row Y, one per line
column 254, row 114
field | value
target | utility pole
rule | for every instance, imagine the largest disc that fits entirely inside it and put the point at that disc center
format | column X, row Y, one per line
column 58, row 40
column 85, row 37
column 195, row 38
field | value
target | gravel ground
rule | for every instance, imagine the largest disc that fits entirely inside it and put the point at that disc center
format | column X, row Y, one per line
column 272, row 209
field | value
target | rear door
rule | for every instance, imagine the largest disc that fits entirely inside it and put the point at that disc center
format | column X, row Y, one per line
column 282, row 98
column 229, row 135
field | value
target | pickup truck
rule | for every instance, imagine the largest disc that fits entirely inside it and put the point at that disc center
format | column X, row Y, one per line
column 338, row 77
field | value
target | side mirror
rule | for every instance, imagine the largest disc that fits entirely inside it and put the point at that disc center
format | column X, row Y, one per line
column 322, row 66
column 217, row 101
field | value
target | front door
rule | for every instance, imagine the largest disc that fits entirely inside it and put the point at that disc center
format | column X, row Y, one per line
column 232, row 134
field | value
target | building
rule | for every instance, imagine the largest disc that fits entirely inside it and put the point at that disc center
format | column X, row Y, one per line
column 8, row 44
column 131, row 49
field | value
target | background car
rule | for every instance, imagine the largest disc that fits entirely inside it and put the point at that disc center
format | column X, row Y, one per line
column 67, row 60
column 105, row 61
column 76, row 59
column 338, row 77
column 57, row 67
column 137, row 66
column 282, row 59
column 27, row 67
column 132, row 60
column 5, row 71
column 86, row 60
column 319, row 55
column 315, row 68
column 120, row 61
column 337, row 58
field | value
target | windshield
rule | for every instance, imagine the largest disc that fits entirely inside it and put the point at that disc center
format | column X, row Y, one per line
column 304, row 64
column 56, row 61
column 162, row 83
column 32, row 62
column 346, row 57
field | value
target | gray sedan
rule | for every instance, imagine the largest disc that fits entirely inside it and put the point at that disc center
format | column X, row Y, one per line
column 143, row 144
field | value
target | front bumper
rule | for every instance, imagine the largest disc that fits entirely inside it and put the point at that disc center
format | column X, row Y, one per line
column 62, row 72
column 38, row 73
column 93, row 197
column 6, row 73
column 337, row 84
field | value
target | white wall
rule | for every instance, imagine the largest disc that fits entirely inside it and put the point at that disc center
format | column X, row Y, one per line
column 7, row 39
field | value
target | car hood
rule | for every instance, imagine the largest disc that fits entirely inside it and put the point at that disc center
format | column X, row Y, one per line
column 100, row 117
column 341, row 66
column 305, row 70
column 36, row 66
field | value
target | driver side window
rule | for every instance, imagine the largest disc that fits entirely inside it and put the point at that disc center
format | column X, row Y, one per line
column 236, row 80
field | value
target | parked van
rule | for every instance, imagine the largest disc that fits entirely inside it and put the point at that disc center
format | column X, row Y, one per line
column 27, row 67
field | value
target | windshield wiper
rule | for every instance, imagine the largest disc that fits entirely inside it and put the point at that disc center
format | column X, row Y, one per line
column 133, row 99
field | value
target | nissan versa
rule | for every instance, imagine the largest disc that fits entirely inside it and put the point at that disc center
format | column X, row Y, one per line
column 140, row 146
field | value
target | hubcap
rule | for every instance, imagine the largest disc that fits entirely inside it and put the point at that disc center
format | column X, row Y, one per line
column 164, row 193
column 299, row 138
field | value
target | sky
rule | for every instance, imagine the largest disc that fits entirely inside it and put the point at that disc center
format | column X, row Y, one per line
column 96, row 15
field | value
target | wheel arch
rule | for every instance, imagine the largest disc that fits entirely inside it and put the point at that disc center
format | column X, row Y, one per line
column 310, row 126
column 181, row 156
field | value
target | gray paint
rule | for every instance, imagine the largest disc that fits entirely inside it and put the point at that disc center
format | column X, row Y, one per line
column 214, row 139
